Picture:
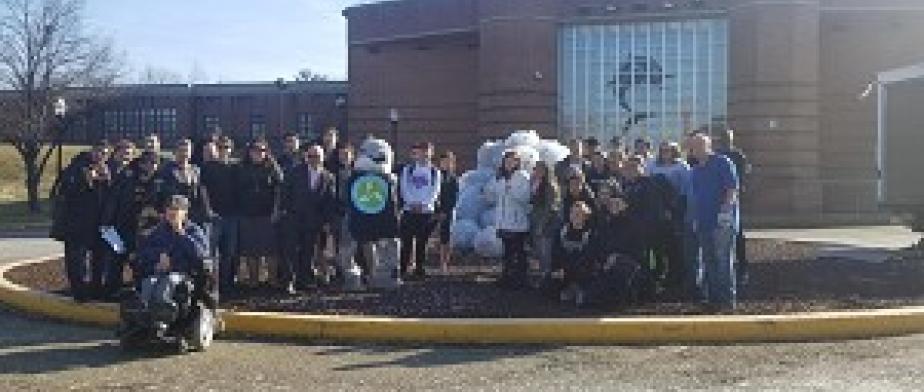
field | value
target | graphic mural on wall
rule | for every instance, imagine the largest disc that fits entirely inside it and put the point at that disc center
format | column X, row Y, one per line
column 636, row 71
column 655, row 79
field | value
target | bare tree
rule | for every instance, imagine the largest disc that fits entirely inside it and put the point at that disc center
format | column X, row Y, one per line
column 156, row 75
column 307, row 75
column 46, row 53
column 197, row 74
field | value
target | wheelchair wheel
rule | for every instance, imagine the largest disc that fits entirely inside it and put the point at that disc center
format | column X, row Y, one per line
column 128, row 341
column 202, row 329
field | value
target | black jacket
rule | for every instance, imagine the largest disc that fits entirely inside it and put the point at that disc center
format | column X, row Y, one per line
column 616, row 234
column 306, row 206
column 133, row 206
column 449, row 193
column 80, row 208
column 259, row 187
column 221, row 181
column 200, row 211
column 646, row 207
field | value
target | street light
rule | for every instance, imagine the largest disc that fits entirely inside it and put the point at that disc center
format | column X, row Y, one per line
column 393, row 117
column 340, row 104
column 281, row 85
column 60, row 109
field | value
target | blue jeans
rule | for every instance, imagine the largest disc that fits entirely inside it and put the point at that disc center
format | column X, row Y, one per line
column 716, row 263
column 693, row 273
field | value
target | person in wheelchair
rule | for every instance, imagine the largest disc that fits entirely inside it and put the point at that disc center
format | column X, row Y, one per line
column 176, row 302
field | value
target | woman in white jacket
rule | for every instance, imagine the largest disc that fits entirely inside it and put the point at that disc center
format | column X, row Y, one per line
column 509, row 191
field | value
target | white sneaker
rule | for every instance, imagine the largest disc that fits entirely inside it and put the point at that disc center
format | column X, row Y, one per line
column 567, row 295
column 579, row 297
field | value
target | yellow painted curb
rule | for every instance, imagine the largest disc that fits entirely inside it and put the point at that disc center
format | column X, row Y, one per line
column 631, row 330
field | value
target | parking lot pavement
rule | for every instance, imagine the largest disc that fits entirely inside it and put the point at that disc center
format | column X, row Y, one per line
column 38, row 355
column 43, row 356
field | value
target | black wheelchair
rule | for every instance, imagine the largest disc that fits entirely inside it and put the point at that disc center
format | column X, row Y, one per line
column 173, row 310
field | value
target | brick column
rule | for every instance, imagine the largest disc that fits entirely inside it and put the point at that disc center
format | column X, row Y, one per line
column 774, row 105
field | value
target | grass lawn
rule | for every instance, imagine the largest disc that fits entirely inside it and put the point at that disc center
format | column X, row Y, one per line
column 14, row 212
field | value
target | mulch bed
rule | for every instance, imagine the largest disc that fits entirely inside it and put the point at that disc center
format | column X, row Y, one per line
column 785, row 278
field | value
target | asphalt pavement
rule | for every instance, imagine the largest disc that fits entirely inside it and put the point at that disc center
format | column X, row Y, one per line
column 37, row 355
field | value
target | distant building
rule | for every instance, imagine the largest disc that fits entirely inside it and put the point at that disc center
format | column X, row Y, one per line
column 785, row 74
column 240, row 110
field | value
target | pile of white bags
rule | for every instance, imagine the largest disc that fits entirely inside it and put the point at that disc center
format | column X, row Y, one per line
column 473, row 227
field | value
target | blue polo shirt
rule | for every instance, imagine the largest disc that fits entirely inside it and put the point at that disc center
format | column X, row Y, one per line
column 708, row 184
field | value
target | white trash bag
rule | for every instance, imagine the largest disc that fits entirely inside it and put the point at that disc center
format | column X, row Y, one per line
column 462, row 234
column 488, row 244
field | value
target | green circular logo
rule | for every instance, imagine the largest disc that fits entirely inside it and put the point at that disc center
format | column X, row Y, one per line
column 369, row 194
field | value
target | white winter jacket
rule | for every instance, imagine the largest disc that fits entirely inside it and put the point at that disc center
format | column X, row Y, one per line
column 511, row 198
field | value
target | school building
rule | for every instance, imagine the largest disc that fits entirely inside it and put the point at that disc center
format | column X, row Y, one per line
column 788, row 75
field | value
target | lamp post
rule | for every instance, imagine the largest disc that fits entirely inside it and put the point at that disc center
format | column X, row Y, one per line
column 393, row 118
column 60, row 109
column 281, row 85
column 340, row 104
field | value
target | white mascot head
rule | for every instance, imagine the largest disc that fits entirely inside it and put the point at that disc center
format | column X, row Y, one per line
column 375, row 155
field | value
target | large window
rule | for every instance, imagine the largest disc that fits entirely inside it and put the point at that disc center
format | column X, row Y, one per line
column 257, row 126
column 211, row 124
column 654, row 79
column 306, row 126
column 136, row 123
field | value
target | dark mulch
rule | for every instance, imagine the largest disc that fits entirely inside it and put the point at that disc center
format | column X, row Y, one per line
column 785, row 277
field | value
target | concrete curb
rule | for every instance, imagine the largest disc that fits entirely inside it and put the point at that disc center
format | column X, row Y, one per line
column 636, row 330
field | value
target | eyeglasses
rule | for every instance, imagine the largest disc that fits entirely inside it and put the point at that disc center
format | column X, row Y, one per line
column 313, row 156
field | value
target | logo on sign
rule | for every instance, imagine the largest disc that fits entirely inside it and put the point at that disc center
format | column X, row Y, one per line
column 369, row 194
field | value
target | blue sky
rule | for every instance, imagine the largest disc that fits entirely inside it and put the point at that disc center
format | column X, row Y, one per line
column 227, row 40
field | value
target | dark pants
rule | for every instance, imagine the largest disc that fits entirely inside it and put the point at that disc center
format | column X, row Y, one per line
column 224, row 241
column 114, row 269
column 741, row 256
column 298, row 264
column 515, row 266
column 578, row 271
column 669, row 265
column 415, row 232
column 76, row 257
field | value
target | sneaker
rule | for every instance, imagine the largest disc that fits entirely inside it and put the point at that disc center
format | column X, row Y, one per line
column 567, row 295
column 579, row 298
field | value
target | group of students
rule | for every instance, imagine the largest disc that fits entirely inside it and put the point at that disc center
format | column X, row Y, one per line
column 280, row 216
column 626, row 224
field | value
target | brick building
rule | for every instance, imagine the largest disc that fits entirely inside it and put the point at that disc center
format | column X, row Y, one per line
column 785, row 74
column 241, row 110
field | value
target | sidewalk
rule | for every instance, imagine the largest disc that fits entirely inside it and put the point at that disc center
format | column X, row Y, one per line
column 867, row 243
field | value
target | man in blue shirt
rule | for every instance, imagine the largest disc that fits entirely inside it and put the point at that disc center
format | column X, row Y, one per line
column 714, row 193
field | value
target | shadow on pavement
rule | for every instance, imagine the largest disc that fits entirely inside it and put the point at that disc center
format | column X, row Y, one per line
column 432, row 357
column 56, row 357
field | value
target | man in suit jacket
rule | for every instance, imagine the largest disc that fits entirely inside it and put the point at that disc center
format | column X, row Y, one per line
column 308, row 200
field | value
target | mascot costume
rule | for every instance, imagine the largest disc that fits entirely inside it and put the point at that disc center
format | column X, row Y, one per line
column 372, row 219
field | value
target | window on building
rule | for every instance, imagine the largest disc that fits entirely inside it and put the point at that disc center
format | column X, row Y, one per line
column 306, row 126
column 656, row 79
column 136, row 123
column 257, row 126
column 211, row 124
